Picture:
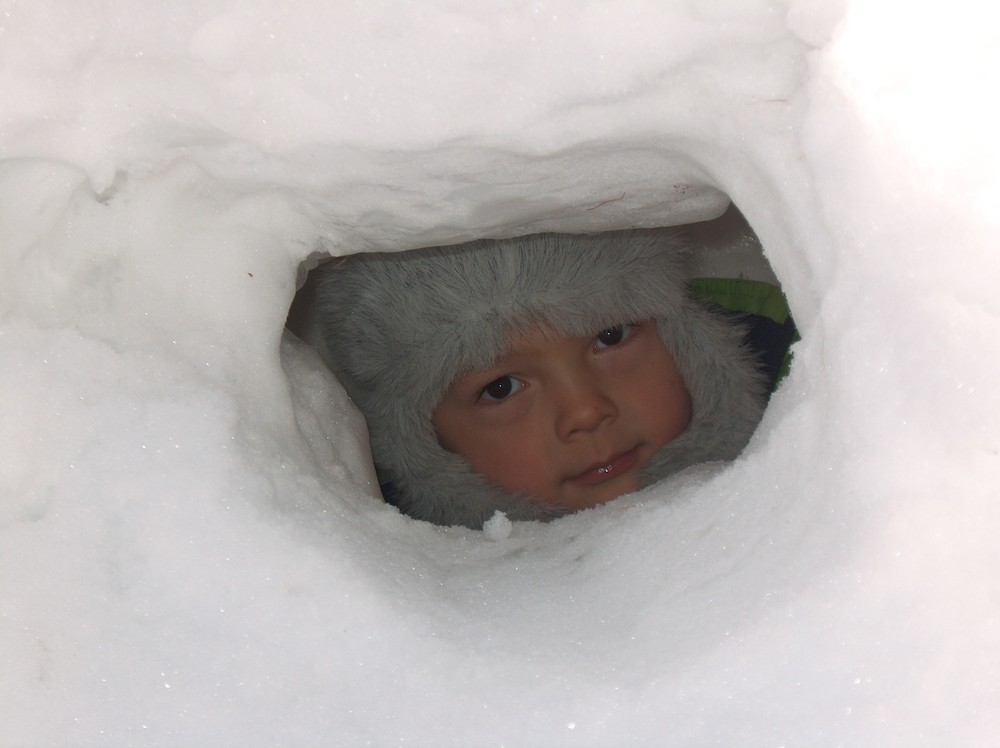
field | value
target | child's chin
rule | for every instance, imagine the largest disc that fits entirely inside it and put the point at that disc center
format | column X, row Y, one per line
column 602, row 494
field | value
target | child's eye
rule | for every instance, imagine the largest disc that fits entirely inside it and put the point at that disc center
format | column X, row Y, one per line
column 500, row 389
column 613, row 335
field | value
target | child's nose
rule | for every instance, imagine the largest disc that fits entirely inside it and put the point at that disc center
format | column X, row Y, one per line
column 583, row 407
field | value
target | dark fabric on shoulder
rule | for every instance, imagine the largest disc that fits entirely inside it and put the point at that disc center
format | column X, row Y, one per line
column 762, row 310
column 771, row 342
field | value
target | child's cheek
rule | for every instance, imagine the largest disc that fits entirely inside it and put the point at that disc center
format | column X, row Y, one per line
column 506, row 413
column 512, row 431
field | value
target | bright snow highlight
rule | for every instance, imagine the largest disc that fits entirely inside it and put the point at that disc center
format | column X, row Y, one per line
column 191, row 547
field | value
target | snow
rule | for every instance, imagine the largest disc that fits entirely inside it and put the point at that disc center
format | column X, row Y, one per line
column 498, row 527
column 191, row 548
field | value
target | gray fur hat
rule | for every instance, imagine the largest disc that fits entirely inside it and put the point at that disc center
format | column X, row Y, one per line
column 400, row 327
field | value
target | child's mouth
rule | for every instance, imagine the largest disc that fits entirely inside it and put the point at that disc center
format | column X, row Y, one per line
column 602, row 471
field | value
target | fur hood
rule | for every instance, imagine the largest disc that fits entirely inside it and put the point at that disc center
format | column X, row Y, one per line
column 400, row 327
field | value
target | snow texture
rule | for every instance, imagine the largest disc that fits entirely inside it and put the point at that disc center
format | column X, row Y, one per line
column 498, row 527
column 191, row 548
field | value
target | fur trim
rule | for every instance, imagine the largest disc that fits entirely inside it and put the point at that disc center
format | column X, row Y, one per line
column 399, row 328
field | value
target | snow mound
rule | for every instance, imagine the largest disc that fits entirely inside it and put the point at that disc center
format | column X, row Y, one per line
column 192, row 551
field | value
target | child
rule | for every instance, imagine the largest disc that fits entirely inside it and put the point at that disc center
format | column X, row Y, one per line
column 537, row 375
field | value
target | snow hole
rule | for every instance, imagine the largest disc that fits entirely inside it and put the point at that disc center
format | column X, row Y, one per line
column 724, row 246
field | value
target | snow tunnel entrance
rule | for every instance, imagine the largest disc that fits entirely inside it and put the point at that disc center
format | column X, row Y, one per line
column 726, row 272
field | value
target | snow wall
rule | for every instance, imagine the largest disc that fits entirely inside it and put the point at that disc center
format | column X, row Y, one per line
column 191, row 548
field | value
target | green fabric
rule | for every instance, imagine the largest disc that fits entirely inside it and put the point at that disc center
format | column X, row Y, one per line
column 747, row 297
column 741, row 295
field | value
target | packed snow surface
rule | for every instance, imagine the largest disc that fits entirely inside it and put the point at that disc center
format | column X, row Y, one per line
column 192, row 551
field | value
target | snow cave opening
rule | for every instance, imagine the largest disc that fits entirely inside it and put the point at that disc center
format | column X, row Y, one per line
column 723, row 247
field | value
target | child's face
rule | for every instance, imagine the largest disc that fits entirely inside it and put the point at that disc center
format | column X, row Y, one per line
column 568, row 421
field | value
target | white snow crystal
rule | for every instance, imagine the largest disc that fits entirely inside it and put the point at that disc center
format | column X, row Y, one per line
column 192, row 547
column 498, row 527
